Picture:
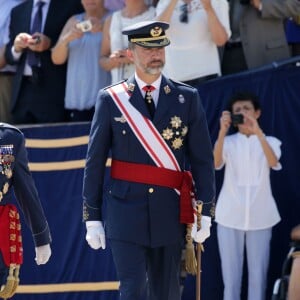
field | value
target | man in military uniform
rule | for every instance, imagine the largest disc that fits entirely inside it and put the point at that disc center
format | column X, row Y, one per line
column 155, row 128
column 16, row 178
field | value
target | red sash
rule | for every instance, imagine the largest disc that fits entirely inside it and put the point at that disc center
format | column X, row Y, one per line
column 10, row 237
column 147, row 174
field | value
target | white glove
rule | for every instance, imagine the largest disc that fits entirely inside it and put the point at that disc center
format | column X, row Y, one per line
column 42, row 254
column 95, row 235
column 201, row 235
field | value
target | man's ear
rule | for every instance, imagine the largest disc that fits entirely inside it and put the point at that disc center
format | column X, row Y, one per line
column 130, row 54
column 257, row 113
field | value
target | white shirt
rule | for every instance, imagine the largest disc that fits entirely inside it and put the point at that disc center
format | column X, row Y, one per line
column 245, row 201
column 154, row 93
column 192, row 53
column 45, row 8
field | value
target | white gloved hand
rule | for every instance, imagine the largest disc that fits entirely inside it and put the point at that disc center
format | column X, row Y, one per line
column 95, row 235
column 42, row 254
column 201, row 235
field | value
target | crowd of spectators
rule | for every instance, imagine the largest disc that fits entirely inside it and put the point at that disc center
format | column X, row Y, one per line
column 53, row 74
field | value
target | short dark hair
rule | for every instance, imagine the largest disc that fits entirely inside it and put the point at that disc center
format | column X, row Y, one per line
column 244, row 96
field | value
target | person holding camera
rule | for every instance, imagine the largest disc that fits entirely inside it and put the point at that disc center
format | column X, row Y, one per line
column 258, row 35
column 78, row 45
column 38, row 85
column 246, row 210
column 194, row 58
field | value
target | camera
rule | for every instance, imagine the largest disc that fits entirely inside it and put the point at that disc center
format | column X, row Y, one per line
column 237, row 119
column 84, row 26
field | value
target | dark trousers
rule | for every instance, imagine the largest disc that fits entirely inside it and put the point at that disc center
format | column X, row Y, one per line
column 34, row 105
column 75, row 115
column 147, row 273
column 6, row 80
column 233, row 60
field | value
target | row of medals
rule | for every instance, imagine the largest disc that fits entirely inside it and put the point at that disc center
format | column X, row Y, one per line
column 6, row 160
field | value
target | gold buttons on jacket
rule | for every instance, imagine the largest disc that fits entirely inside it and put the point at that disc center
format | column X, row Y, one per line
column 151, row 190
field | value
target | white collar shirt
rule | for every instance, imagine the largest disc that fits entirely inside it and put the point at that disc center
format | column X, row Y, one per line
column 245, row 201
column 154, row 93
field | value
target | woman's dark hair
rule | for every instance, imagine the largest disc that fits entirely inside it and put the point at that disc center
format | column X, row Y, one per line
column 243, row 96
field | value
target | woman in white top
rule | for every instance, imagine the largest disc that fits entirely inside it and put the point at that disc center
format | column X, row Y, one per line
column 246, row 210
column 197, row 29
column 113, row 49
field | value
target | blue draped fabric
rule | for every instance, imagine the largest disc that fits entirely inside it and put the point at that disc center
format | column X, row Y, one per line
column 60, row 188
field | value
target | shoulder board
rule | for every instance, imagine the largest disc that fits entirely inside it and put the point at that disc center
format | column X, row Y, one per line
column 107, row 87
column 6, row 125
column 181, row 83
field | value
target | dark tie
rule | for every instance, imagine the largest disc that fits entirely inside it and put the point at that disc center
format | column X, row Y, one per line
column 33, row 57
column 149, row 100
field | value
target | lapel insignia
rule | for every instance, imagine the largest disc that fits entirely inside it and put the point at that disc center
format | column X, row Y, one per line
column 131, row 87
column 167, row 89
column 176, row 133
column 120, row 119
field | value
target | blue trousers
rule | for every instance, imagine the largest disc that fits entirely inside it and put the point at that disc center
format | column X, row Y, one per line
column 147, row 273
column 232, row 243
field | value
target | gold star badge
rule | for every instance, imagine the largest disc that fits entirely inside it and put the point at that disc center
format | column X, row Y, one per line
column 176, row 122
column 177, row 143
column 167, row 134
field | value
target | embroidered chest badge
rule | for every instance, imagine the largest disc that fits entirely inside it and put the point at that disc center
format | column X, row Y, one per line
column 6, row 160
column 175, row 133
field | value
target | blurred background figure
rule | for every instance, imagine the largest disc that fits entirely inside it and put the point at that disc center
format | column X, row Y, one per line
column 113, row 56
column 246, row 210
column 6, row 71
column 258, row 35
column 194, row 58
column 79, row 45
column 294, row 281
column 114, row 5
column 39, row 85
column 292, row 30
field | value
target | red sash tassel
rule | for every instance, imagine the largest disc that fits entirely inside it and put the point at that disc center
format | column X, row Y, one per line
column 147, row 174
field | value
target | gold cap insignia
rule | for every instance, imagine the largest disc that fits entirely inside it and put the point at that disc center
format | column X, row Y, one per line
column 156, row 31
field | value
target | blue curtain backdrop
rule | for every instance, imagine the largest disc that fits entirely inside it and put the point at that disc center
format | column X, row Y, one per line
column 57, row 155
